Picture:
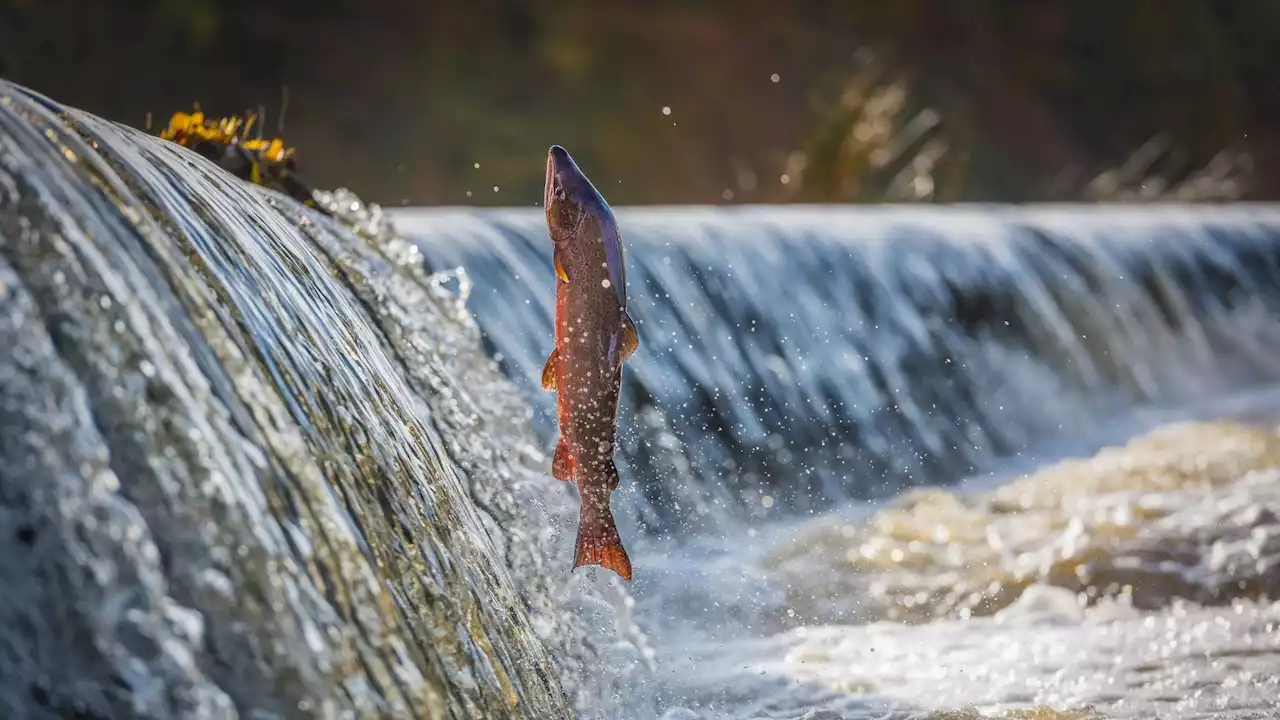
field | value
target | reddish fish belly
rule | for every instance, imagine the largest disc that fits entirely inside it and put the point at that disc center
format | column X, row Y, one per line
column 587, row 374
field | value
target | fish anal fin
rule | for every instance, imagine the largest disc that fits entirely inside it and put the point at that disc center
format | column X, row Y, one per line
column 562, row 463
column 630, row 339
column 549, row 370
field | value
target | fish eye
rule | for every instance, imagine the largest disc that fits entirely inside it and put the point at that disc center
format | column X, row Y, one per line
column 560, row 193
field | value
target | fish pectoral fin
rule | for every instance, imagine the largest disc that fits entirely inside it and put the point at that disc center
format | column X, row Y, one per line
column 630, row 339
column 549, row 370
column 562, row 463
column 560, row 273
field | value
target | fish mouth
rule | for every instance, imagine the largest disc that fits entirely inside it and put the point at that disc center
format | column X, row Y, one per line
column 549, row 188
column 559, row 165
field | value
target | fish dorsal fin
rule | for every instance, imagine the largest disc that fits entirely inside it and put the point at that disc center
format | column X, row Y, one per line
column 630, row 339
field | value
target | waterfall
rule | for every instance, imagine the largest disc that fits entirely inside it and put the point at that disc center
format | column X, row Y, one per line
column 253, row 461
column 795, row 357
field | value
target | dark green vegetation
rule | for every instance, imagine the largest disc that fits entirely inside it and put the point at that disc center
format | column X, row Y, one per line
column 400, row 99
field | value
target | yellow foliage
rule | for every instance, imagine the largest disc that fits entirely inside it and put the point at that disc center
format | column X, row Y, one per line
column 192, row 129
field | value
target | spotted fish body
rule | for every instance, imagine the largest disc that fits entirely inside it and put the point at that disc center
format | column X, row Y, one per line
column 594, row 335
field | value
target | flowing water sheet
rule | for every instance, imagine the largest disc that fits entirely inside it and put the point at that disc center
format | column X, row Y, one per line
column 252, row 460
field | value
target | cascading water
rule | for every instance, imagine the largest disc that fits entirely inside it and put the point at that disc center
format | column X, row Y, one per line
column 254, row 461
column 811, row 355
column 794, row 360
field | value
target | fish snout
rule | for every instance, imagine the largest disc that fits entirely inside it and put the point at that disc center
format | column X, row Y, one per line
column 563, row 191
column 559, row 156
column 560, row 168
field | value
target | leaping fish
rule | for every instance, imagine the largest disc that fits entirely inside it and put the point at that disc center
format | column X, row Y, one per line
column 594, row 335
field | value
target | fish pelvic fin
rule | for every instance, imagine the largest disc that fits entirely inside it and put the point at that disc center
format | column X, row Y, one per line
column 549, row 370
column 598, row 540
column 562, row 463
column 630, row 339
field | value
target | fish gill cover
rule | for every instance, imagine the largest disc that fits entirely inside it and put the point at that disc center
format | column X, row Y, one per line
column 253, row 461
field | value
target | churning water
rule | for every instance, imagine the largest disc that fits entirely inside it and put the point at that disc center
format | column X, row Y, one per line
column 258, row 462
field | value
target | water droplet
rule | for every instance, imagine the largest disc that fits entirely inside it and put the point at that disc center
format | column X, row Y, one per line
column 666, row 110
column 775, row 77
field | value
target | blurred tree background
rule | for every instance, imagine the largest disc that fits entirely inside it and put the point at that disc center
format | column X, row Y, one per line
column 701, row 101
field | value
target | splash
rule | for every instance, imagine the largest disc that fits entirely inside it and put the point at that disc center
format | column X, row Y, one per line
column 1187, row 511
column 1094, row 628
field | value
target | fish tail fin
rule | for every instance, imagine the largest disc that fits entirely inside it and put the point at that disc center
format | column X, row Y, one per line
column 598, row 540
column 562, row 463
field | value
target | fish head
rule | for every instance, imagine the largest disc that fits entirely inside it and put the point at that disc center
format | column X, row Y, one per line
column 578, row 213
column 571, row 201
